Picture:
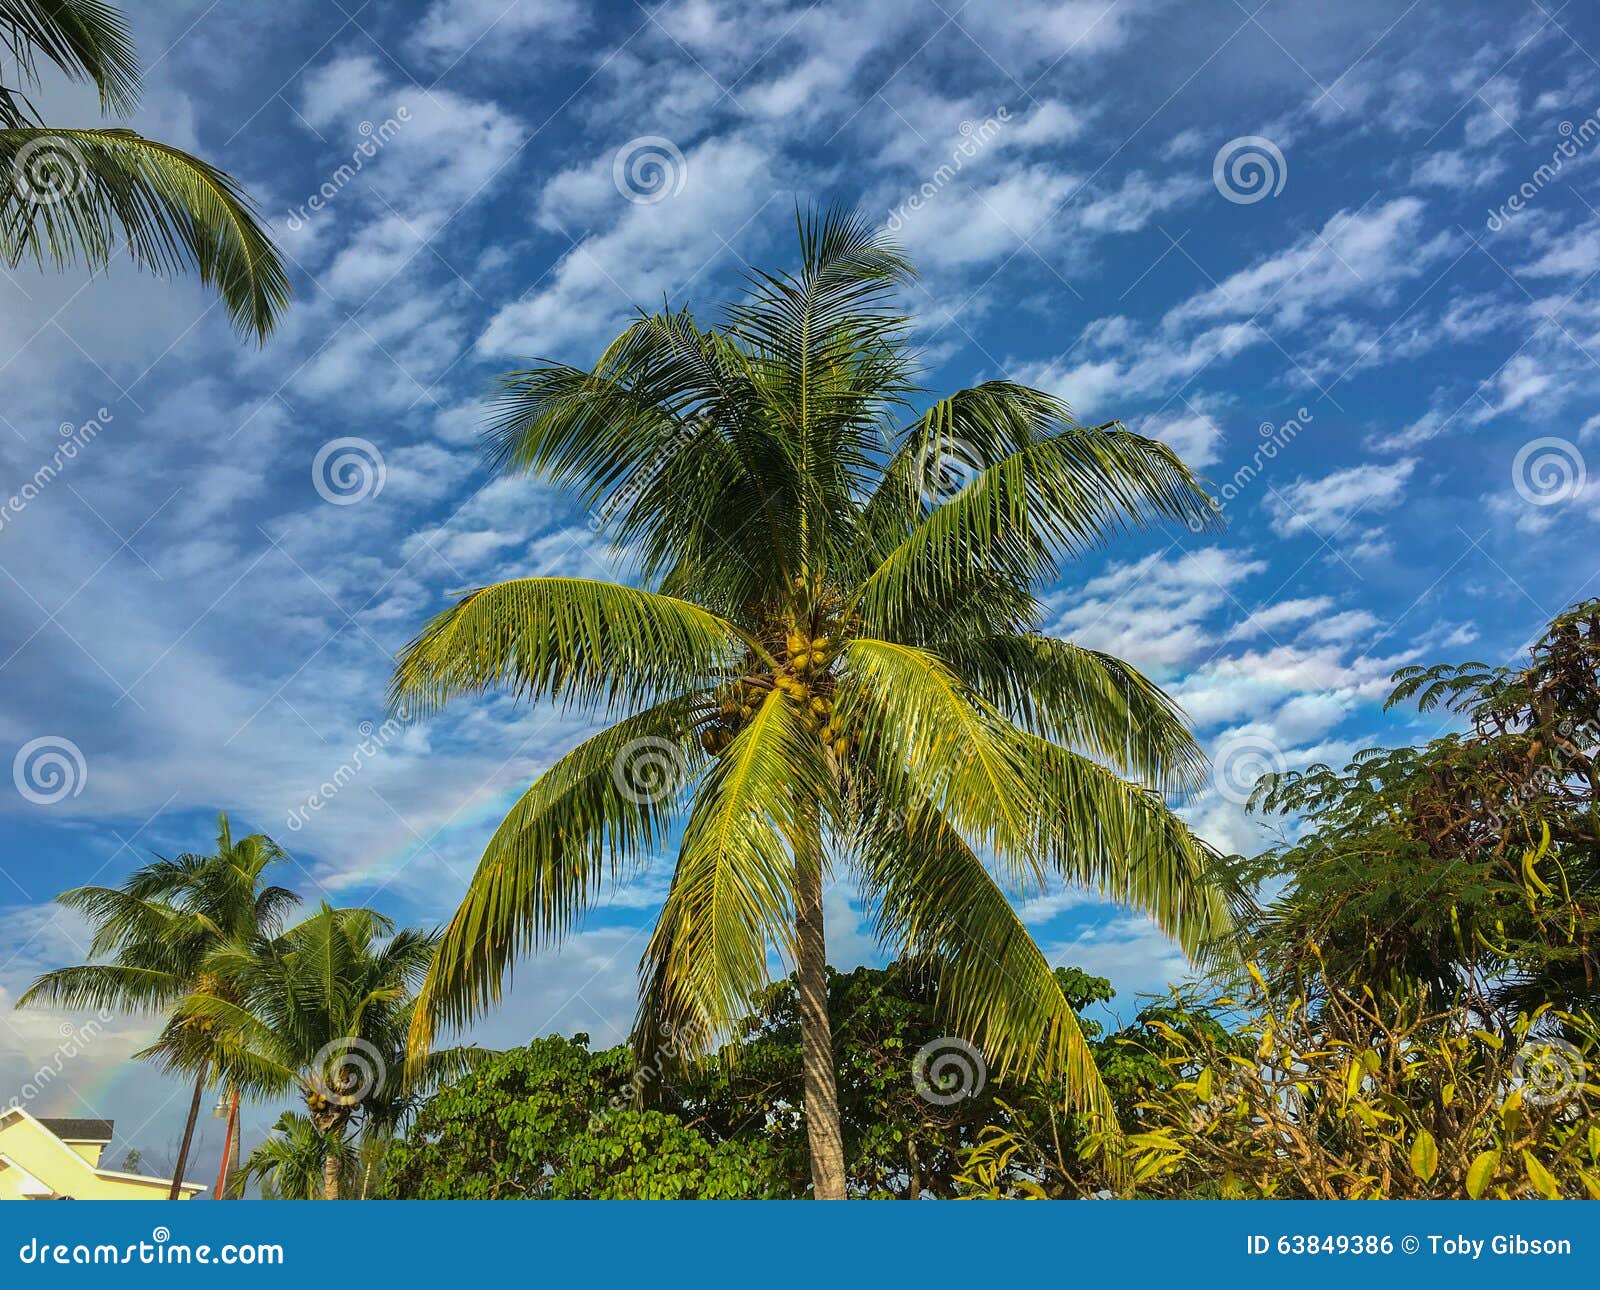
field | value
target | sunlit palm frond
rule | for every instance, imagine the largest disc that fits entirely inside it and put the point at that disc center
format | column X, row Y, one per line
column 95, row 193
column 1061, row 495
column 930, row 895
column 1086, row 699
column 927, row 736
column 733, row 892
column 587, row 642
column 601, row 808
column 107, row 986
column 85, row 39
column 1124, row 842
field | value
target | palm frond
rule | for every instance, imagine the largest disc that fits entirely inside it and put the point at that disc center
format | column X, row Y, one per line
column 86, row 40
column 588, row 642
column 733, row 890
column 592, row 814
column 82, row 196
column 931, row 896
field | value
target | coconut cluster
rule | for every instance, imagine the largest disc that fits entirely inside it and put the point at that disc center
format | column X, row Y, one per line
column 805, row 646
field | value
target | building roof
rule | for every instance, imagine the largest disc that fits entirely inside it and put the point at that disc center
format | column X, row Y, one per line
column 79, row 1130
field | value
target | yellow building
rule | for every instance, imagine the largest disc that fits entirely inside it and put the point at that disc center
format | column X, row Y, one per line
column 60, row 1160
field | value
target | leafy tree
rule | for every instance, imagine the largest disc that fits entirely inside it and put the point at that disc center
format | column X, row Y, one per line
column 555, row 1121
column 836, row 664
column 83, row 195
column 1470, row 865
column 158, row 933
column 1373, row 1096
column 323, row 1009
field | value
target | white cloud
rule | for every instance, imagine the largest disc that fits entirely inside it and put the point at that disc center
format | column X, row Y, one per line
column 1320, row 506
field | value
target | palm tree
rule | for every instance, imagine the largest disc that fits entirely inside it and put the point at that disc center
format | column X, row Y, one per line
column 836, row 666
column 157, row 930
column 292, row 1161
column 323, row 1010
column 74, row 196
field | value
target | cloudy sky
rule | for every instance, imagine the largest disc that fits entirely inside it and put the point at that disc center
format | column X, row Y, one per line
column 1340, row 257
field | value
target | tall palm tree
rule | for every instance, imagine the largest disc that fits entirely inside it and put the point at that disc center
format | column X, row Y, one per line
column 70, row 196
column 836, row 666
column 323, row 1010
column 157, row 932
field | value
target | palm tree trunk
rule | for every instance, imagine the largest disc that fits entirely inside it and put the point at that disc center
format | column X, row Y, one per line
column 330, row 1173
column 816, row 1032
column 188, row 1130
column 227, row 1145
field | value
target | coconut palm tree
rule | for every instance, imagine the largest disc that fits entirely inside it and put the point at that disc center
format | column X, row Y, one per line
column 292, row 1161
column 835, row 666
column 323, row 1010
column 157, row 931
column 70, row 196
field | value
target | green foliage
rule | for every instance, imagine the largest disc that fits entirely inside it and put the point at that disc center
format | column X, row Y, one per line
column 1373, row 1096
column 1470, row 865
column 555, row 1121
column 82, row 196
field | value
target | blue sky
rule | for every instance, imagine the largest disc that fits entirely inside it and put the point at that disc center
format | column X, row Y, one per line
column 1363, row 234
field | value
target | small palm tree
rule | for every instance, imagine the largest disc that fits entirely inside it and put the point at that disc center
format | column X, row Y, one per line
column 323, row 1010
column 70, row 196
column 836, row 667
column 292, row 1161
column 157, row 932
